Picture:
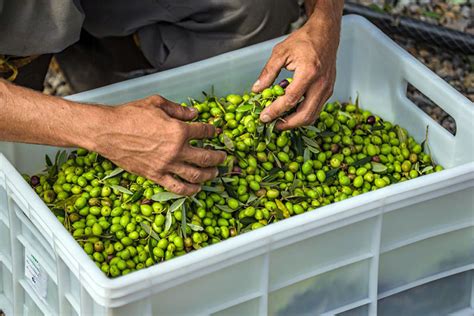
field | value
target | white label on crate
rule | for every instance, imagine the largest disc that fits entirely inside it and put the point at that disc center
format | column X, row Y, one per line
column 35, row 274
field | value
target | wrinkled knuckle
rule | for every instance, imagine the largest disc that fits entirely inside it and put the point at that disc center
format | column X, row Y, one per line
column 195, row 177
column 206, row 158
column 291, row 99
column 155, row 99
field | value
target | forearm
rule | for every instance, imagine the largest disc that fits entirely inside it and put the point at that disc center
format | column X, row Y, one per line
column 324, row 10
column 31, row 117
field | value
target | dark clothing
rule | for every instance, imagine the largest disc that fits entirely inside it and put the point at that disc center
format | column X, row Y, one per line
column 170, row 32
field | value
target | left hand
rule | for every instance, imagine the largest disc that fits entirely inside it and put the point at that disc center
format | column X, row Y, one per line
column 311, row 53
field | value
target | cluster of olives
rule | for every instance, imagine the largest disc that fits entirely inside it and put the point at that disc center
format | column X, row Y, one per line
column 125, row 222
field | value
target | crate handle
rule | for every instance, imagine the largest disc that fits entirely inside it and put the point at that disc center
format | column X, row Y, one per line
column 447, row 98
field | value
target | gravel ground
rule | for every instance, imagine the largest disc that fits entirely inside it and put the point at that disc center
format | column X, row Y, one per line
column 453, row 14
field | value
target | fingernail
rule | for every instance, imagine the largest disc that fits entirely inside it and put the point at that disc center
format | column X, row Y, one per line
column 194, row 110
column 256, row 84
column 265, row 118
column 216, row 173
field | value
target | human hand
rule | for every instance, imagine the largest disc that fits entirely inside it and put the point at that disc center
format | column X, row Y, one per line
column 311, row 53
column 149, row 137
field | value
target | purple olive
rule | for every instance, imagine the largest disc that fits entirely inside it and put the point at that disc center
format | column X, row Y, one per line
column 334, row 148
column 237, row 170
column 147, row 202
column 34, row 181
column 376, row 159
column 371, row 120
column 284, row 83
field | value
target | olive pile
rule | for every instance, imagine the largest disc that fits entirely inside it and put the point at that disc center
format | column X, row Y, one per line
column 125, row 222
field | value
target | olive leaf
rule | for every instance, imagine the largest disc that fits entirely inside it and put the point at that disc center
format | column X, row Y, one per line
column 312, row 128
column 176, row 205
column 244, row 108
column 218, row 189
column 165, row 196
column 225, row 208
column 277, row 161
column 331, row 174
column 168, row 221
column 58, row 212
column 252, row 198
column 49, row 163
column 121, row 189
column 247, row 220
column 114, row 173
column 327, row 133
column 228, row 142
column 356, row 103
column 306, row 154
column 377, row 127
column 361, row 162
column 147, row 228
column 424, row 143
column 269, row 130
column 313, row 149
column 183, row 220
column 62, row 158
column 345, row 114
column 195, row 228
column 297, row 143
column 150, row 251
column 401, row 134
column 137, row 195
column 196, row 201
column 426, row 169
column 230, row 190
column 378, row 167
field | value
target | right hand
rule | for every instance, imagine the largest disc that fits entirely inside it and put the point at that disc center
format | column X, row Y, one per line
column 149, row 137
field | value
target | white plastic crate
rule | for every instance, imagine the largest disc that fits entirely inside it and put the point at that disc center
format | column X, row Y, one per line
column 407, row 249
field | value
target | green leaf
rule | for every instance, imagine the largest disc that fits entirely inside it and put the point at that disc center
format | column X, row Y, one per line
column 150, row 251
column 244, row 108
column 228, row 142
column 345, row 114
column 362, row 162
column 147, row 228
column 121, row 189
column 327, row 133
column 137, row 195
column 58, row 212
column 196, row 201
column 168, row 221
column 176, row 205
column 306, row 154
column 114, row 173
column 401, row 134
column 218, row 189
column 183, row 220
column 165, row 196
column 49, row 163
column 230, row 190
column 269, row 130
column 247, row 220
column 277, row 161
column 377, row 128
column 313, row 150
column 62, row 158
column 331, row 173
column 297, row 143
column 312, row 128
column 378, row 167
column 225, row 208
column 195, row 228
column 426, row 169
